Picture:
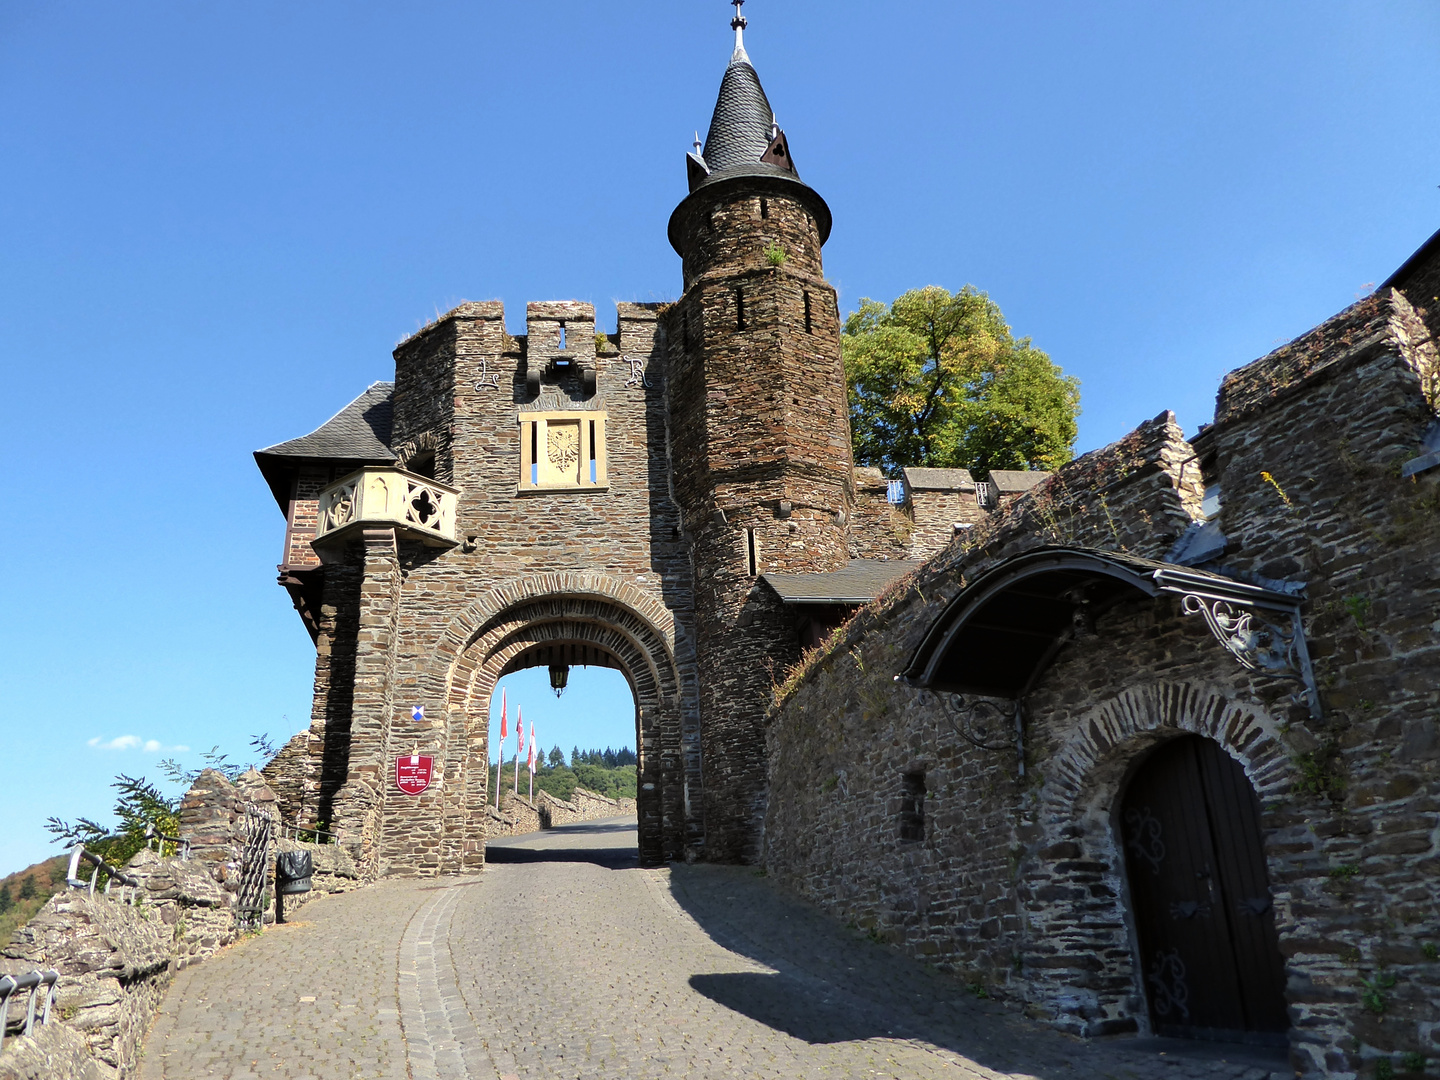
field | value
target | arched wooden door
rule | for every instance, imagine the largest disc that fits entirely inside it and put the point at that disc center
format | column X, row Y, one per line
column 1190, row 823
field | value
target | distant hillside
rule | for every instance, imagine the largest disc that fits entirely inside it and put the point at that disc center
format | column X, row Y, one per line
column 606, row 772
column 24, row 893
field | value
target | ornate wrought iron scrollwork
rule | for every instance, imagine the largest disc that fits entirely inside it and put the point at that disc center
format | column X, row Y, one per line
column 981, row 723
column 988, row 725
column 1167, row 981
column 1268, row 650
column 1143, row 839
column 1260, row 646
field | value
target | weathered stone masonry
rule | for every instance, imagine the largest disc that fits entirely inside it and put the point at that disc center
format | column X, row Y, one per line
column 618, row 499
column 1019, row 882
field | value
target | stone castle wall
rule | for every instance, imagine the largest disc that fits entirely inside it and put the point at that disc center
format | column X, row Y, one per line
column 405, row 625
column 1018, row 883
column 761, row 469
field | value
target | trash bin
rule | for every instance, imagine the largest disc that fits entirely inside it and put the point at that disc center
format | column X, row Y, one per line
column 292, row 872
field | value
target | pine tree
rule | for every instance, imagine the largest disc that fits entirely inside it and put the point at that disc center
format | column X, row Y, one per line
column 27, row 888
column 6, row 900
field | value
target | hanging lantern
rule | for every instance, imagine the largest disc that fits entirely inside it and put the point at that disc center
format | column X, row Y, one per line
column 559, row 676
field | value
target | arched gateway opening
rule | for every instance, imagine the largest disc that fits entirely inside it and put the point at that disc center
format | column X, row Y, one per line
column 1189, row 824
column 598, row 622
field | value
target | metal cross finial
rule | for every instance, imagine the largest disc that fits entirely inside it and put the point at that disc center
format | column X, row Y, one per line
column 739, row 22
column 698, row 144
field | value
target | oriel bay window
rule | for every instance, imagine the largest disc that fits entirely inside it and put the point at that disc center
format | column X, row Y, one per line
column 562, row 451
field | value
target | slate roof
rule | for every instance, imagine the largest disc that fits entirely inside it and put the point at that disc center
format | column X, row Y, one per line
column 740, row 129
column 861, row 581
column 938, row 479
column 1009, row 481
column 358, row 432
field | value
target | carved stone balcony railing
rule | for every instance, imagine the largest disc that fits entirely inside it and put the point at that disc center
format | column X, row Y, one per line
column 417, row 507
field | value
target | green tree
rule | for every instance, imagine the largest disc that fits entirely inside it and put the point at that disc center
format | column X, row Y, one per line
column 6, row 900
column 557, row 758
column 140, row 803
column 937, row 379
column 27, row 888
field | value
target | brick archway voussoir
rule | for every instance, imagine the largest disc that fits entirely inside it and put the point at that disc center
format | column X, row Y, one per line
column 1126, row 724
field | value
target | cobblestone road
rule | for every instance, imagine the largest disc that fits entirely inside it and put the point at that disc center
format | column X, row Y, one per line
column 565, row 960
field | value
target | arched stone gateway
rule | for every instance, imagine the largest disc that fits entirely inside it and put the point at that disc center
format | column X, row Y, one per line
column 588, row 614
column 1087, row 848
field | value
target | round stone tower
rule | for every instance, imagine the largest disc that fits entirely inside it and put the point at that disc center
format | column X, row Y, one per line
column 759, row 433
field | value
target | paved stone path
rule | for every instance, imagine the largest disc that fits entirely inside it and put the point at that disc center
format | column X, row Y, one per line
column 565, row 960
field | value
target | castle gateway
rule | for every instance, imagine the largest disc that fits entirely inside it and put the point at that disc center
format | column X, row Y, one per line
column 675, row 499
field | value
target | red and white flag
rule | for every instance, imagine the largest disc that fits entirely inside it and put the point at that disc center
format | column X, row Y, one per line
column 532, row 749
column 503, row 729
column 519, row 732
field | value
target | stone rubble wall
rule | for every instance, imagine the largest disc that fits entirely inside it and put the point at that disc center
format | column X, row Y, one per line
column 1019, row 884
column 116, row 957
column 114, row 960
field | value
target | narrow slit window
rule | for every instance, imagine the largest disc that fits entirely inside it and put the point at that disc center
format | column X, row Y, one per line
column 562, row 335
column 764, row 208
column 752, row 553
column 593, row 465
column 739, row 309
column 809, row 329
column 534, row 454
column 912, row 806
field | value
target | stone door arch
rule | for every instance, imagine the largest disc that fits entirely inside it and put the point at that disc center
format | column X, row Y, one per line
column 510, row 634
column 1080, row 946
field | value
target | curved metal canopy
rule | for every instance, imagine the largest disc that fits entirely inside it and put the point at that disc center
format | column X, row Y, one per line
column 1003, row 630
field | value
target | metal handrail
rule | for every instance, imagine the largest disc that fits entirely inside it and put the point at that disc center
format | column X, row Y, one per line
column 32, row 982
column 153, row 834
column 292, row 832
column 73, row 879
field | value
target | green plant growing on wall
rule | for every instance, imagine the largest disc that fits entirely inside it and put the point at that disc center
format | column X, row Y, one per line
column 1345, row 872
column 1321, row 772
column 775, row 255
column 1384, row 1069
column 1372, row 993
column 1358, row 607
column 1431, row 951
column 1413, row 1062
column 1278, row 489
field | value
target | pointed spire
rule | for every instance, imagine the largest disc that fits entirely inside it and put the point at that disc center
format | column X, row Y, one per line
column 738, row 24
column 740, row 129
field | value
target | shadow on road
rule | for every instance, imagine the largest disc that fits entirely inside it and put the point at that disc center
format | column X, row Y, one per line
column 830, row 984
column 608, row 842
column 773, row 1001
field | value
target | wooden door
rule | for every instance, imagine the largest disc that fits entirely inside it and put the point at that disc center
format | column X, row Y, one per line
column 1190, row 824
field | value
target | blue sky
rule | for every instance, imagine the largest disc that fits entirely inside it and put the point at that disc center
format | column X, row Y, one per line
column 216, row 220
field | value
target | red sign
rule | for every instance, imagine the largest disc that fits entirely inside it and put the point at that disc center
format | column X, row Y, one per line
column 412, row 774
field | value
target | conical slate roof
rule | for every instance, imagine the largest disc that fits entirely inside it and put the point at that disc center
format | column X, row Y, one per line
column 740, row 130
column 744, row 147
